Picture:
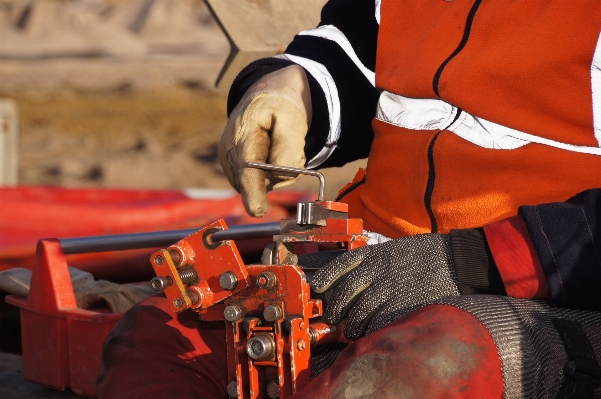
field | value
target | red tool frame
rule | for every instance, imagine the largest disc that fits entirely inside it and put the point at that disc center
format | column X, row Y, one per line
column 62, row 345
column 267, row 307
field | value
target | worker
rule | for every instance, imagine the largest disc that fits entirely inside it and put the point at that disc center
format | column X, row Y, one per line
column 482, row 123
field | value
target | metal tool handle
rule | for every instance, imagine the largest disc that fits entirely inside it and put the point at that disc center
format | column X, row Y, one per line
column 156, row 239
column 287, row 169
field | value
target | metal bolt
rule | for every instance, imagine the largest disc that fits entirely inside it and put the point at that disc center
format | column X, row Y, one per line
column 300, row 344
column 232, row 389
column 176, row 258
column 158, row 260
column 194, row 298
column 228, row 281
column 267, row 279
column 232, row 313
column 272, row 313
column 260, row 347
column 290, row 259
column 273, row 390
column 160, row 283
column 178, row 302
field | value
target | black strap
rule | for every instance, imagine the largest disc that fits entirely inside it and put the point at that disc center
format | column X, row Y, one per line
column 582, row 371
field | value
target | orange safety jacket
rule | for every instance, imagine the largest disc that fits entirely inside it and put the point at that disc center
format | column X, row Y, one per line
column 485, row 106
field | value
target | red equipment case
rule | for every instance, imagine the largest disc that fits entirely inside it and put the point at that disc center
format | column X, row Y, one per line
column 62, row 345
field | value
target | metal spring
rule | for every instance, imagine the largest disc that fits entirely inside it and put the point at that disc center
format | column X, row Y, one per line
column 187, row 275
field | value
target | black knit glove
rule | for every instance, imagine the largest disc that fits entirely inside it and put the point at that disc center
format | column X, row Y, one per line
column 380, row 283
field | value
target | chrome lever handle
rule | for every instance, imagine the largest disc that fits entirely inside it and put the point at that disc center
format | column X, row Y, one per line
column 287, row 169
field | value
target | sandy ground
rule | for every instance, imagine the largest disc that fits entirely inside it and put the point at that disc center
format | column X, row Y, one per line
column 119, row 93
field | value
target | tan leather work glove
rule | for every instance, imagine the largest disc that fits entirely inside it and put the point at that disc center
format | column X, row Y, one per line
column 269, row 125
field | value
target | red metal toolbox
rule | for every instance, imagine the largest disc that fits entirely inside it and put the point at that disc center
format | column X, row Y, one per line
column 62, row 345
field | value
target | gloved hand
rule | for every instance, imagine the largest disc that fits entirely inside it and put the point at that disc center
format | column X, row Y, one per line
column 268, row 125
column 382, row 282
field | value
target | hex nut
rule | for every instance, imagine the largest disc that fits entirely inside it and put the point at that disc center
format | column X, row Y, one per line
column 228, row 281
column 273, row 390
column 194, row 298
column 176, row 258
column 232, row 389
column 267, row 279
column 232, row 313
column 272, row 313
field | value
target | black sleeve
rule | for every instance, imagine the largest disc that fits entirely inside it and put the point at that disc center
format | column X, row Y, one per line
column 567, row 238
column 357, row 96
column 249, row 75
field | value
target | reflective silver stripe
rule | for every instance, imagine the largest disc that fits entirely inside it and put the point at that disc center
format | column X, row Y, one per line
column 330, row 32
column 327, row 84
column 596, row 88
column 378, row 6
column 432, row 114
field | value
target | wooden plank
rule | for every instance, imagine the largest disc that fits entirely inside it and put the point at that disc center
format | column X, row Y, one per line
column 260, row 28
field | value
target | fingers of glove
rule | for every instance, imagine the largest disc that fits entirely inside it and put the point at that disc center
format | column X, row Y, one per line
column 253, row 188
column 329, row 275
column 243, row 142
column 363, row 311
column 269, row 130
column 252, row 183
column 227, row 153
column 347, row 293
column 289, row 128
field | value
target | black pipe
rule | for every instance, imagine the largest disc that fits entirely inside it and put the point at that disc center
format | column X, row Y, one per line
column 120, row 242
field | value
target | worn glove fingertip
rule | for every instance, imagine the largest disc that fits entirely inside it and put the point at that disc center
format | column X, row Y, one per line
column 350, row 334
column 319, row 287
column 334, row 312
column 256, row 209
column 355, row 329
column 333, row 272
column 322, row 280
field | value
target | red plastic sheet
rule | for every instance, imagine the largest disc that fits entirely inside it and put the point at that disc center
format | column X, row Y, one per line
column 30, row 213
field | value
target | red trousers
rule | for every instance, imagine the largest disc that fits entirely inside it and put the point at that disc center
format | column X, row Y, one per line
column 438, row 351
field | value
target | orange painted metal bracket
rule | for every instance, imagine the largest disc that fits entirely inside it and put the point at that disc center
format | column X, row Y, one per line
column 191, row 270
column 68, row 353
column 271, row 319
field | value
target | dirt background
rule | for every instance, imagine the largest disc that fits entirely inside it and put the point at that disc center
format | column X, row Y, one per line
column 119, row 93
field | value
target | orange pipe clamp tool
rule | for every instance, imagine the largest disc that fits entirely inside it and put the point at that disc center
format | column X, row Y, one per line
column 267, row 307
